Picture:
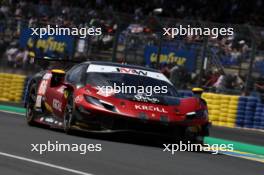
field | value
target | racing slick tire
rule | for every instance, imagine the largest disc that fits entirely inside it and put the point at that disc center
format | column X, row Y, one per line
column 30, row 107
column 194, row 139
column 69, row 118
column 186, row 135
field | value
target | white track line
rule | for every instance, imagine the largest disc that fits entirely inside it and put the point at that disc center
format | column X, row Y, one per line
column 44, row 164
column 9, row 112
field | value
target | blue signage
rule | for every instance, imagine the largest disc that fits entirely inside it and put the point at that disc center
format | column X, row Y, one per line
column 259, row 67
column 181, row 57
column 60, row 46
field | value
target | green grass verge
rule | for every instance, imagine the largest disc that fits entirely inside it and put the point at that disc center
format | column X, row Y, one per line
column 13, row 109
column 238, row 146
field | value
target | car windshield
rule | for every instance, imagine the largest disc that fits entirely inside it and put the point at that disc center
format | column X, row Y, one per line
column 126, row 81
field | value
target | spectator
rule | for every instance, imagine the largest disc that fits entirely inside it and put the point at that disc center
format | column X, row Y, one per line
column 11, row 55
column 164, row 68
column 219, row 84
column 180, row 77
column 174, row 76
column 19, row 58
column 212, row 78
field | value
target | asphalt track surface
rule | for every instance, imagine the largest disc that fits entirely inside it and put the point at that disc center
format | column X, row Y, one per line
column 122, row 154
column 237, row 134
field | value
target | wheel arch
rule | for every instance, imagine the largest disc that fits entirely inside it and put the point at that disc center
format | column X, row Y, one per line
column 32, row 80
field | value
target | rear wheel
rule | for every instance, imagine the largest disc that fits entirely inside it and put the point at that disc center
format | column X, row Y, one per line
column 69, row 118
column 196, row 140
column 194, row 136
column 188, row 135
column 30, row 108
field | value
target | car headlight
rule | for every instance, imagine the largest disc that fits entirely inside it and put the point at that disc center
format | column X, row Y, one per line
column 197, row 114
column 100, row 103
column 93, row 100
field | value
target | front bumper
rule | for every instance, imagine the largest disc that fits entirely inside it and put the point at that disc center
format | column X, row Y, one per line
column 102, row 120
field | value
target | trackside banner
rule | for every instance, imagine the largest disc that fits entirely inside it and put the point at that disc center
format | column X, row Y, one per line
column 61, row 46
column 182, row 57
column 258, row 66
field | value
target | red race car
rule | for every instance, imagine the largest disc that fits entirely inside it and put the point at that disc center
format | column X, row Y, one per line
column 103, row 97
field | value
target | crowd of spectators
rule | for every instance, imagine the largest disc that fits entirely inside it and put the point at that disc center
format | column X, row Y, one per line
column 83, row 13
column 233, row 11
column 212, row 80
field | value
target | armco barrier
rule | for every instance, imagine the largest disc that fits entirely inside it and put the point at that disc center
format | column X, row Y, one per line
column 11, row 87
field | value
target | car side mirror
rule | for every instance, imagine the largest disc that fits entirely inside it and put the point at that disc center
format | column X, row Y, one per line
column 57, row 77
column 197, row 92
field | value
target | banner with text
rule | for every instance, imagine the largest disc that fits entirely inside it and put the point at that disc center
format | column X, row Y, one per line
column 181, row 57
column 55, row 46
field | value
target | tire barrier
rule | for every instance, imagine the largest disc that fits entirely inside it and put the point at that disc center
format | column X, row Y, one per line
column 222, row 109
column 231, row 111
column 11, row 87
column 251, row 113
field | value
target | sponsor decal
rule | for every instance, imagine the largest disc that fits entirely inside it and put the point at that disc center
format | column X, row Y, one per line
column 56, row 104
column 88, row 92
column 48, row 107
column 66, row 94
column 43, row 87
column 61, row 89
column 78, row 99
column 131, row 71
column 38, row 101
column 150, row 108
column 142, row 98
column 47, row 76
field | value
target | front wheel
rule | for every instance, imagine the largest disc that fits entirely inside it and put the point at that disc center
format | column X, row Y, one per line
column 69, row 118
column 30, row 108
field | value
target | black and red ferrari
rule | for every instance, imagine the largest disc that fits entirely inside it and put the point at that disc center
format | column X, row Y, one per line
column 80, row 98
